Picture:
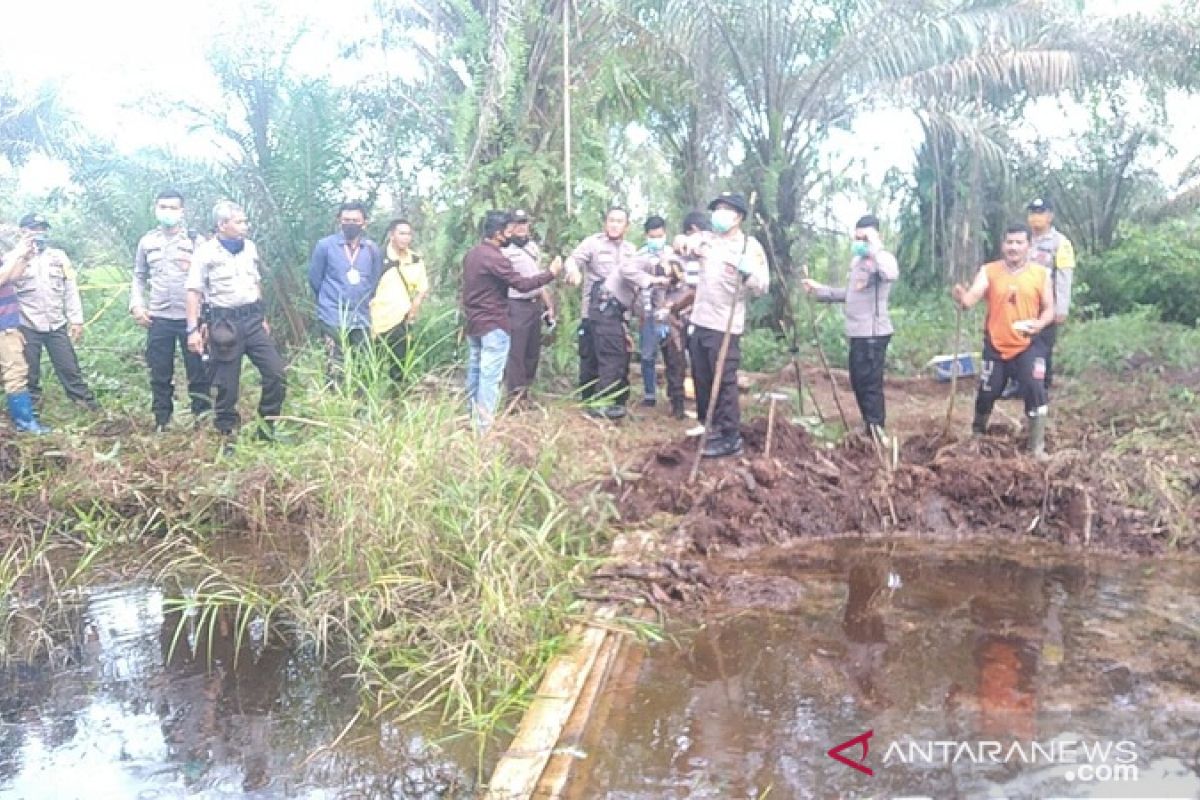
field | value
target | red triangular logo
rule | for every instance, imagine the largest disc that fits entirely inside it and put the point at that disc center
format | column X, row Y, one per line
column 864, row 739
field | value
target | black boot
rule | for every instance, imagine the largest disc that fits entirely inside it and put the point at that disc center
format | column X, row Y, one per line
column 979, row 426
column 677, row 408
column 723, row 446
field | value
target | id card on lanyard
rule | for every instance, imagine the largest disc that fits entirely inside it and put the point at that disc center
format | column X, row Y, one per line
column 353, row 276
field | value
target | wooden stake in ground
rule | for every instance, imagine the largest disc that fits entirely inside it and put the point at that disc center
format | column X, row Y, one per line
column 772, row 397
column 716, row 391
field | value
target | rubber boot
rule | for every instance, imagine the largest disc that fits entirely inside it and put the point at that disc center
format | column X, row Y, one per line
column 979, row 426
column 20, row 408
column 677, row 408
column 1037, row 437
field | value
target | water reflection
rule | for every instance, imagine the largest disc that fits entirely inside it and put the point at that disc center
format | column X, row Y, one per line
column 961, row 646
column 160, row 704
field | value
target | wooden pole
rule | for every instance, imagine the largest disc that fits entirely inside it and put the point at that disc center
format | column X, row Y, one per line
column 566, row 67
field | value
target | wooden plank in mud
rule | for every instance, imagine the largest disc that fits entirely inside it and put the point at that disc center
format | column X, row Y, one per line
column 564, row 702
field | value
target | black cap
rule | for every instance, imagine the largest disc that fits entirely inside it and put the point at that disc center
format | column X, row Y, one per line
column 519, row 216
column 1040, row 206
column 731, row 199
column 33, row 221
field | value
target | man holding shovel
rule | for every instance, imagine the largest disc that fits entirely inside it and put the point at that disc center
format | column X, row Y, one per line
column 729, row 260
column 1020, row 305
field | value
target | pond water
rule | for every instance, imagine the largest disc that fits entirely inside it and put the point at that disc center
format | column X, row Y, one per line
column 140, row 712
column 939, row 659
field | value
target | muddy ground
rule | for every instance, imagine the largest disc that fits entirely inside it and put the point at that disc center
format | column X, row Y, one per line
column 1124, row 475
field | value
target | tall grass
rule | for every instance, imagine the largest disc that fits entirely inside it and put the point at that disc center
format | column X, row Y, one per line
column 435, row 567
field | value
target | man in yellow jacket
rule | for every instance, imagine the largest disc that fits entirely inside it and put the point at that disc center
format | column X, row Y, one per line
column 402, row 288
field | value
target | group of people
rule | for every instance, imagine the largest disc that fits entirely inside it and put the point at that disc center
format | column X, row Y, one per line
column 1028, row 295
column 686, row 297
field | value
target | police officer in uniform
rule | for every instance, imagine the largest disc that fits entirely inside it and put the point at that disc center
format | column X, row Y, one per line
column 225, row 273
column 594, row 259
column 609, row 311
column 158, row 302
column 52, row 316
column 731, row 263
column 527, row 311
column 1056, row 253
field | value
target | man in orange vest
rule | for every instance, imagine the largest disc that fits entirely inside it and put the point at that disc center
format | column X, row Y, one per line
column 1020, row 304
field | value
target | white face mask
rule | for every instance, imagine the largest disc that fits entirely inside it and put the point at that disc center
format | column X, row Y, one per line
column 723, row 220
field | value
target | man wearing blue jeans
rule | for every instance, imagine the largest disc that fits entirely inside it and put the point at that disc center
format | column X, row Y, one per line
column 487, row 277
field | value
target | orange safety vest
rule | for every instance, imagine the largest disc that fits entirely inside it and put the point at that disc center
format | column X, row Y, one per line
column 1012, row 297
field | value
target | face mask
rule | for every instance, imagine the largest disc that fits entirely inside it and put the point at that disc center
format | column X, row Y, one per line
column 234, row 246
column 655, row 245
column 39, row 241
column 861, row 249
column 519, row 241
column 168, row 217
column 351, row 231
column 723, row 220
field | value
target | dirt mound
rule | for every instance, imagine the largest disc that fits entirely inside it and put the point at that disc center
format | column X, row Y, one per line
column 932, row 485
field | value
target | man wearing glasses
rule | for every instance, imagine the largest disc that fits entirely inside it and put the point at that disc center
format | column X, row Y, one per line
column 873, row 270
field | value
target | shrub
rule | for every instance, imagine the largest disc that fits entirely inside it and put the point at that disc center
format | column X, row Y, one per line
column 1152, row 266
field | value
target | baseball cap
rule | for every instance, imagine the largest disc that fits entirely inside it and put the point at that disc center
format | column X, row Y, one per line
column 32, row 221
column 731, row 199
column 1040, row 205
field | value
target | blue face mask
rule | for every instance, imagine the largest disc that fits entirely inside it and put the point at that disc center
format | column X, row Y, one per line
column 656, row 245
column 234, row 246
column 861, row 249
column 723, row 220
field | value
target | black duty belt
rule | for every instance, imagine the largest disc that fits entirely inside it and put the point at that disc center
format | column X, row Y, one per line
column 238, row 312
column 534, row 299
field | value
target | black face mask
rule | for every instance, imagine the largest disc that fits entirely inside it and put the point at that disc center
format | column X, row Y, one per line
column 351, row 231
column 519, row 241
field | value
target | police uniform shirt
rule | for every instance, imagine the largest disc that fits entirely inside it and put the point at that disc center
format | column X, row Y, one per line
column 226, row 280
column 624, row 282
column 597, row 256
column 48, row 293
column 160, row 271
column 1056, row 253
column 526, row 263
column 720, row 283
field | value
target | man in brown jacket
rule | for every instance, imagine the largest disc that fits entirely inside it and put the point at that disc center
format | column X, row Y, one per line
column 487, row 277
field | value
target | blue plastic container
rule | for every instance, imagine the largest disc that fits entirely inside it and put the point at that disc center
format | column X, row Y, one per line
column 944, row 366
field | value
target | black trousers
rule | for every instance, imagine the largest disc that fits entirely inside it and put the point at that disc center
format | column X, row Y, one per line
column 161, row 340
column 337, row 341
column 589, row 369
column 867, row 357
column 525, row 328
column 704, row 346
column 609, row 341
column 255, row 343
column 394, row 346
column 62, row 358
column 674, row 350
column 1047, row 339
column 1026, row 368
